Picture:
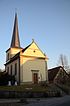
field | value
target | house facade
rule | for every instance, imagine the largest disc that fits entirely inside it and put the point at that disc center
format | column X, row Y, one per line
column 29, row 64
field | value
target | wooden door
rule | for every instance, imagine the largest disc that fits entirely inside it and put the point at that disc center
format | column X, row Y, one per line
column 35, row 78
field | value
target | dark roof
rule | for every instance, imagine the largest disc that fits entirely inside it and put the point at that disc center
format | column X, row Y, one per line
column 15, row 37
column 26, row 48
column 53, row 72
column 13, row 58
column 16, row 55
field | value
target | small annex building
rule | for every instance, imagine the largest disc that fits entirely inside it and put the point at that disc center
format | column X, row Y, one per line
column 29, row 64
column 58, row 75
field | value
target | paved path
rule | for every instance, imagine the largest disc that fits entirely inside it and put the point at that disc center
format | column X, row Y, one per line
column 61, row 101
column 9, row 100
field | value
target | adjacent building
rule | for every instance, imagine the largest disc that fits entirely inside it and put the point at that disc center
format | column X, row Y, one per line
column 58, row 75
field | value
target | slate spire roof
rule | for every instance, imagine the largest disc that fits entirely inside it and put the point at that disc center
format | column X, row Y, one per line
column 15, row 42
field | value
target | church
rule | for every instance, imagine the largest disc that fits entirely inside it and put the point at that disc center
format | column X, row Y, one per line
column 29, row 64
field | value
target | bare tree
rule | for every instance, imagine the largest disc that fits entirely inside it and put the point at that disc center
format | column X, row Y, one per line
column 63, row 61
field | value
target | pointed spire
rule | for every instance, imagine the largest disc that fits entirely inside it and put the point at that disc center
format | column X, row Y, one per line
column 15, row 42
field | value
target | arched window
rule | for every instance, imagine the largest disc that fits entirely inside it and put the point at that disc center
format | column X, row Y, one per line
column 8, row 70
column 15, row 68
column 11, row 70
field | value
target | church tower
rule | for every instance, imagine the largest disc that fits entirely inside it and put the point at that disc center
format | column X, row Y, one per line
column 15, row 42
column 15, row 37
column 12, row 54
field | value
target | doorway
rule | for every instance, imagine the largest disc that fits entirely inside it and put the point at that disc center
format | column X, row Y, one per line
column 35, row 78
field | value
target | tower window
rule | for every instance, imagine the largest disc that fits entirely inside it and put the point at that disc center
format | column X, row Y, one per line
column 8, row 56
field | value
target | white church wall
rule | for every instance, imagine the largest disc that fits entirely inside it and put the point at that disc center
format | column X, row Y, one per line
column 30, row 65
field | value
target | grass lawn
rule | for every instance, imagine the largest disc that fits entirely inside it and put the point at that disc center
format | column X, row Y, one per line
column 24, row 87
column 30, row 90
column 33, row 88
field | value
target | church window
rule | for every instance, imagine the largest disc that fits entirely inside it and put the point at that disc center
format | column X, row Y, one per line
column 11, row 70
column 8, row 70
column 34, row 51
column 15, row 68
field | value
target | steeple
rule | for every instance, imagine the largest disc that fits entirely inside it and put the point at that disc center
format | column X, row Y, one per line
column 15, row 42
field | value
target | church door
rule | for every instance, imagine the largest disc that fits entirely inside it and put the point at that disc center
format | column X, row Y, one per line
column 35, row 78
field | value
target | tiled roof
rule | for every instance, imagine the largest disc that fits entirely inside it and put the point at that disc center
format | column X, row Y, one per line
column 13, row 58
column 16, row 55
column 53, row 72
column 26, row 48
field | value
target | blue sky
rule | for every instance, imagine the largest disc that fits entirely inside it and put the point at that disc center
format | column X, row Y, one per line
column 46, row 21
